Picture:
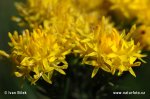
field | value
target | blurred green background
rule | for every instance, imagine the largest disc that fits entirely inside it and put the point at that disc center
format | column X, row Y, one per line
column 8, row 82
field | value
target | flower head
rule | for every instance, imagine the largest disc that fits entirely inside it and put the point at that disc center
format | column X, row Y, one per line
column 109, row 50
column 37, row 53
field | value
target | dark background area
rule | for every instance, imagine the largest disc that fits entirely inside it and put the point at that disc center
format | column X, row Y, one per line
column 8, row 82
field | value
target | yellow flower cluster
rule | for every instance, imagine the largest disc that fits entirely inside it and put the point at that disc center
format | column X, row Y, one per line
column 38, row 53
column 61, row 27
column 37, row 12
column 109, row 50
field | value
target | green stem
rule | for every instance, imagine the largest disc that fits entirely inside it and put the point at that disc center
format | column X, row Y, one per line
column 66, row 91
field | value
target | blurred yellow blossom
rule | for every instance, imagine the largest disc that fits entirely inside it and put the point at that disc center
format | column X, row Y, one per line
column 37, row 12
column 143, row 16
column 37, row 53
column 142, row 35
column 133, row 9
column 129, row 7
column 92, row 10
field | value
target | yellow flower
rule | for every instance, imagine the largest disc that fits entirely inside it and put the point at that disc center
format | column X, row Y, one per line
column 109, row 50
column 142, row 35
column 83, row 37
column 130, row 8
column 33, row 12
column 92, row 10
column 37, row 55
